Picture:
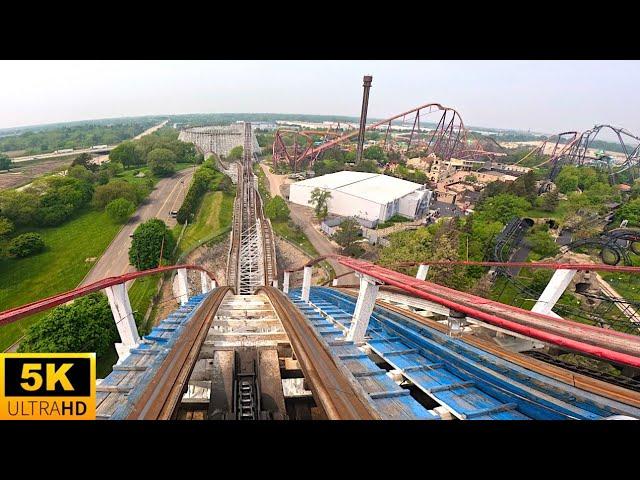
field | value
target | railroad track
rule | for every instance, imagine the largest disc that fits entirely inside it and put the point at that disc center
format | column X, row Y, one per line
column 340, row 398
column 161, row 399
column 252, row 256
column 252, row 268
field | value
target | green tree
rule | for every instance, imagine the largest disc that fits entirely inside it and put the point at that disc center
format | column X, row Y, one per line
column 5, row 162
column 19, row 207
column 503, row 207
column 550, row 201
column 162, row 162
column 84, row 160
column 26, row 245
column 126, row 154
column 149, row 239
column 630, row 211
column 84, row 326
column 236, row 152
column 347, row 235
column 350, row 156
column 567, row 180
column 525, row 187
column 277, row 209
column 543, row 244
column 369, row 166
column 226, row 185
column 319, row 199
column 471, row 179
column 374, row 152
column 120, row 209
column 6, row 226
column 81, row 173
column 105, row 194
column 113, row 169
column 447, row 239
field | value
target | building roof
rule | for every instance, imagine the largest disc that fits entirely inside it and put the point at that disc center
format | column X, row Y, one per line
column 374, row 187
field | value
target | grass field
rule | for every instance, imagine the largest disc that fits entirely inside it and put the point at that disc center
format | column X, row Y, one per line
column 61, row 267
column 213, row 217
column 140, row 295
column 559, row 214
column 298, row 237
column 626, row 284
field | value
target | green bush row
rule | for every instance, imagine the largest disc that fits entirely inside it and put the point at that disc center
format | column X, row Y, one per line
column 201, row 183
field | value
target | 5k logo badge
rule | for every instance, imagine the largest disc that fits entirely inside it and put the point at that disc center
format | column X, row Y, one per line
column 47, row 386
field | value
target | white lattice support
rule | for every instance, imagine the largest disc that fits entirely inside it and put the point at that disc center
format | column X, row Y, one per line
column 123, row 316
column 553, row 291
column 183, row 286
column 364, row 307
column 285, row 282
column 306, row 283
column 422, row 272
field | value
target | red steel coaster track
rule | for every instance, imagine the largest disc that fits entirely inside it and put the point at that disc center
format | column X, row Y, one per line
column 447, row 139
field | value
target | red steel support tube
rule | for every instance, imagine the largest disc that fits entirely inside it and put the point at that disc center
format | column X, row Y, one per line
column 407, row 284
column 13, row 314
column 596, row 267
column 617, row 357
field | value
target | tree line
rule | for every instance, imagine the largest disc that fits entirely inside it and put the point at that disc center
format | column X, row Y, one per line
column 79, row 136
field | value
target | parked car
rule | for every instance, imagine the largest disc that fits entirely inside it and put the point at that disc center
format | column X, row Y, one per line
column 173, row 213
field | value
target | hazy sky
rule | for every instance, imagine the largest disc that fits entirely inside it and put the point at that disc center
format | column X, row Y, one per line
column 549, row 96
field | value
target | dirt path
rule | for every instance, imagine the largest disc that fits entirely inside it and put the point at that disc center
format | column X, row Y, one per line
column 275, row 181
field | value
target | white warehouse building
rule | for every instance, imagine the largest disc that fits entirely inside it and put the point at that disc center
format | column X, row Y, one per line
column 369, row 196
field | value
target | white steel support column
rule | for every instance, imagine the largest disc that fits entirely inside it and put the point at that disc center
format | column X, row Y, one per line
column 204, row 282
column 183, row 286
column 274, row 283
column 285, row 282
column 553, row 291
column 364, row 307
column 306, row 283
column 123, row 316
column 422, row 272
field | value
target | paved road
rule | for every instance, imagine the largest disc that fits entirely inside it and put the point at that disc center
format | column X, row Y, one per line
column 84, row 150
column 60, row 154
column 167, row 196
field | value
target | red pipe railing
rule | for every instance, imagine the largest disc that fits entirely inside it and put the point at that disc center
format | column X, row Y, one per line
column 424, row 289
column 16, row 313
column 595, row 267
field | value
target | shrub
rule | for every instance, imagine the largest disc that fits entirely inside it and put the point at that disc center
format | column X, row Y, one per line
column 120, row 209
column 6, row 226
column 26, row 244
column 84, row 326
column 162, row 161
column 105, row 194
column 149, row 239
column 199, row 186
column 277, row 209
